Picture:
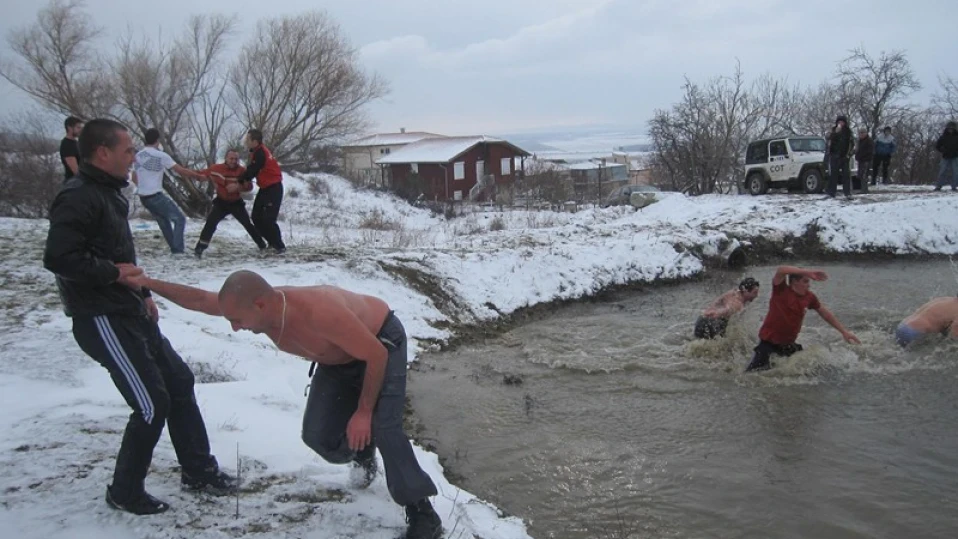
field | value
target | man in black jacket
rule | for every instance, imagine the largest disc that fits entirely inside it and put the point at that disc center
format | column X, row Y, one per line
column 948, row 146
column 90, row 249
column 839, row 153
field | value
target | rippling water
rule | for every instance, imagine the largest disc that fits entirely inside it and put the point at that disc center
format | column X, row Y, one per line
column 623, row 427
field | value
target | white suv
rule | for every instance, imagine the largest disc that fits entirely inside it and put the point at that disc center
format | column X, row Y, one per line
column 785, row 162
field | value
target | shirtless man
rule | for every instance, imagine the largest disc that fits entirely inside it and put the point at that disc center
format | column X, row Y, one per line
column 715, row 317
column 936, row 316
column 358, row 393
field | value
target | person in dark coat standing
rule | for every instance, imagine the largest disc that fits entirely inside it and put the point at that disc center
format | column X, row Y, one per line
column 90, row 250
column 839, row 153
column 948, row 146
column 864, row 153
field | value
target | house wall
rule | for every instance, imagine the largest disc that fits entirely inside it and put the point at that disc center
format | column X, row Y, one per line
column 440, row 187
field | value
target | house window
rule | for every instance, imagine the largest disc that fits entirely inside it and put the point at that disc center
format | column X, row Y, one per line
column 457, row 195
column 414, row 167
column 384, row 151
column 459, row 170
column 506, row 165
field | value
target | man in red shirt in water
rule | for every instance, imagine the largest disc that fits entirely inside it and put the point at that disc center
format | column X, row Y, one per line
column 791, row 297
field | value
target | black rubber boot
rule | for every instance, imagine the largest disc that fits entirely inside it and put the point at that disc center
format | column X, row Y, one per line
column 423, row 521
column 139, row 504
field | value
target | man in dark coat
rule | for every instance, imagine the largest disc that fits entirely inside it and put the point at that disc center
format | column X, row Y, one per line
column 839, row 153
column 864, row 153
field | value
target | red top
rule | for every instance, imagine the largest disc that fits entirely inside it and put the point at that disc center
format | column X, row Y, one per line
column 264, row 167
column 786, row 311
column 220, row 183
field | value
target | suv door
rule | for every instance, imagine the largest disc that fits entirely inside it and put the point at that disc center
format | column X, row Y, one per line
column 778, row 160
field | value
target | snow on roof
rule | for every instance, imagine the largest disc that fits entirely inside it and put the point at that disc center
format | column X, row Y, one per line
column 440, row 150
column 392, row 139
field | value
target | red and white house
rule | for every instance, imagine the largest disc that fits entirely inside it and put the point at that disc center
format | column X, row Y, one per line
column 449, row 168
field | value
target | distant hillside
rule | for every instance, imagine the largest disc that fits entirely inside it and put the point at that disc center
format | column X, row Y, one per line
column 22, row 142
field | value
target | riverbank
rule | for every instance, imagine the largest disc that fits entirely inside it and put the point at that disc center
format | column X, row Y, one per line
column 448, row 280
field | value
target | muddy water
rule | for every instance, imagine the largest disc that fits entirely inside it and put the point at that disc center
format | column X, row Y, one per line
column 622, row 427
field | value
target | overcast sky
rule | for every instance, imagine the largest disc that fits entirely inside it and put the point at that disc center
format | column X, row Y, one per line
column 501, row 66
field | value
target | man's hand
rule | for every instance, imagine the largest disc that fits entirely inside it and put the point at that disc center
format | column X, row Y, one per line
column 817, row 275
column 359, row 430
column 128, row 276
column 151, row 309
column 850, row 338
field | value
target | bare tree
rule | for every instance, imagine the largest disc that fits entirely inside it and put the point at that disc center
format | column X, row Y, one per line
column 299, row 81
column 58, row 65
column 30, row 168
column 875, row 87
column 163, row 85
column 546, row 182
column 945, row 100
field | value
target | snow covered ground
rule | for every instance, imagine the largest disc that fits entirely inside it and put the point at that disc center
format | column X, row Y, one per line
column 63, row 418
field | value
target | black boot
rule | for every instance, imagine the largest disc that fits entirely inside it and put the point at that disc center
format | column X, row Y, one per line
column 215, row 482
column 423, row 521
column 139, row 504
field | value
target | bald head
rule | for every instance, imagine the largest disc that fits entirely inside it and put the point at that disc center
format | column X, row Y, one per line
column 242, row 288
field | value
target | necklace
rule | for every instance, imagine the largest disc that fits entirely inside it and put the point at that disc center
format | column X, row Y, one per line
column 282, row 327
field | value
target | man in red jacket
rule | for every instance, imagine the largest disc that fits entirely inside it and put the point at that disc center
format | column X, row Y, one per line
column 228, row 201
column 791, row 297
column 269, row 177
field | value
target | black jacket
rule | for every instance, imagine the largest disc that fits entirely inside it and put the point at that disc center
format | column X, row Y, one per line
column 948, row 144
column 865, row 150
column 840, row 143
column 89, row 233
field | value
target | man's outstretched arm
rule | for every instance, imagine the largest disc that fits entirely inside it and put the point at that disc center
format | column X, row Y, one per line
column 832, row 321
column 194, row 299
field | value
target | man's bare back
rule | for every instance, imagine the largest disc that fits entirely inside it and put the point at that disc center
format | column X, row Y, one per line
column 936, row 316
column 726, row 305
column 314, row 317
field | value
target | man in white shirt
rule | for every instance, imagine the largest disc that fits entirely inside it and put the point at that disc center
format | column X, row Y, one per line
column 148, row 168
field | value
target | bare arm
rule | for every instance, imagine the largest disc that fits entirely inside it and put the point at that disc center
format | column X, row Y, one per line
column 194, row 299
column 784, row 271
column 832, row 321
column 72, row 163
column 350, row 334
column 183, row 171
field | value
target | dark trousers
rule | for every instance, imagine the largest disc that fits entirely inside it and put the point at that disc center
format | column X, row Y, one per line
column 764, row 350
column 218, row 212
column 838, row 168
column 881, row 161
column 157, row 385
column 710, row 328
column 863, row 170
column 266, row 211
column 334, row 397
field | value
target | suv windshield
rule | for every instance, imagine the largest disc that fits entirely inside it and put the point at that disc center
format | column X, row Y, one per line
column 807, row 144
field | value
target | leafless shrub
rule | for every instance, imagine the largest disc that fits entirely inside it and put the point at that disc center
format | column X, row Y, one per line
column 498, row 223
column 30, row 169
column 377, row 220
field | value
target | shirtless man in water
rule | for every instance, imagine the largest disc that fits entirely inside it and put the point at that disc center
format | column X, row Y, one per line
column 358, row 393
column 936, row 316
column 715, row 317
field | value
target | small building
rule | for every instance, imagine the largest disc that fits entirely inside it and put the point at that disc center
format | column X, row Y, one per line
column 454, row 168
column 360, row 156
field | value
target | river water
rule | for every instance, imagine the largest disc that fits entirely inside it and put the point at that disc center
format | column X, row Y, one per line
column 615, row 424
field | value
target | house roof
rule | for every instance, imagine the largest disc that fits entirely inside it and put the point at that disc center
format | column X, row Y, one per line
column 441, row 150
column 391, row 139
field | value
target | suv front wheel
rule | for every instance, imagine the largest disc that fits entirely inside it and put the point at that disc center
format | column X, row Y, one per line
column 756, row 184
column 812, row 181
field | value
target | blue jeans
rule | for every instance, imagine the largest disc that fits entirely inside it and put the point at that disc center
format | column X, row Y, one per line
column 171, row 220
column 942, row 177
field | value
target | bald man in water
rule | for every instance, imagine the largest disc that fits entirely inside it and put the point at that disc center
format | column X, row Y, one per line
column 936, row 316
column 358, row 392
